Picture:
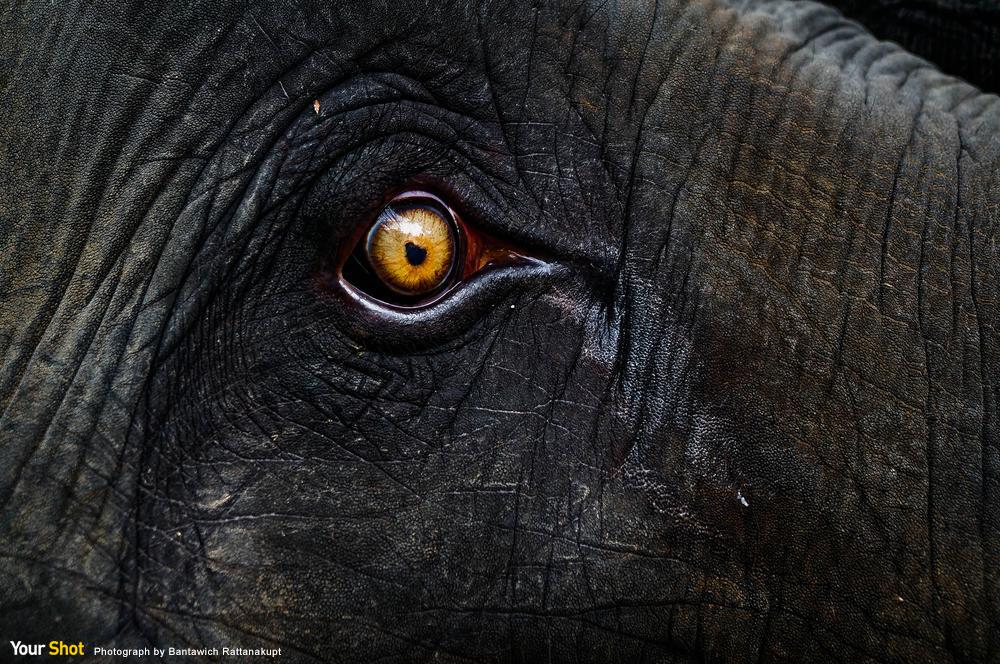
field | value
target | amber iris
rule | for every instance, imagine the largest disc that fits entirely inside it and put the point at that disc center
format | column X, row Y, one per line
column 412, row 247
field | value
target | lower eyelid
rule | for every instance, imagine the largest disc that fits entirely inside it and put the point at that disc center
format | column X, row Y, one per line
column 381, row 325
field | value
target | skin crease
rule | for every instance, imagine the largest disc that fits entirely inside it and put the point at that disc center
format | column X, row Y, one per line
column 744, row 408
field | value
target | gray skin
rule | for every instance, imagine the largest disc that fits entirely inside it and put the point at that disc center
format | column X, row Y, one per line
column 744, row 410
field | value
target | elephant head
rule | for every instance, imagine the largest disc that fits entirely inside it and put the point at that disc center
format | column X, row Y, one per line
column 641, row 331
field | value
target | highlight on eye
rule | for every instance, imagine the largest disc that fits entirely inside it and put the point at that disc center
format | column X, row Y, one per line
column 418, row 249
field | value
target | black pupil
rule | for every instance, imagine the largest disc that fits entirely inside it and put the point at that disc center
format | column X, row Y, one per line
column 415, row 254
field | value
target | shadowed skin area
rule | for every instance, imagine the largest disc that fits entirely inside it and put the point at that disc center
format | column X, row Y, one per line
column 745, row 411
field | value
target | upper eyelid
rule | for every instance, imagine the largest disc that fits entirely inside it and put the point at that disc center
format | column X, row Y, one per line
column 469, row 158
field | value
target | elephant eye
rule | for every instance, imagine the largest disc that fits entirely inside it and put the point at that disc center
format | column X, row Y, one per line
column 411, row 247
column 417, row 250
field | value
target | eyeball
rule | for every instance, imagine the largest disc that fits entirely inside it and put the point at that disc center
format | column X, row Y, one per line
column 412, row 247
column 416, row 251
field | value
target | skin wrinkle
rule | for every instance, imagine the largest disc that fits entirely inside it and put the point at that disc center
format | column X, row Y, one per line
column 241, row 352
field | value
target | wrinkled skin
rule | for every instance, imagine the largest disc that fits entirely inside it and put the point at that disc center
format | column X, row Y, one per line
column 747, row 410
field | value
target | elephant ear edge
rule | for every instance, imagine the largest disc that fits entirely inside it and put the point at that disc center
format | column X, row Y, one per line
column 960, row 37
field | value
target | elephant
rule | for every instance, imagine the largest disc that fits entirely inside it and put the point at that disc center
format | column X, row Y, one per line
column 659, row 331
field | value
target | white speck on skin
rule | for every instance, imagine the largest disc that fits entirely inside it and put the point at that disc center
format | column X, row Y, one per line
column 512, row 306
column 217, row 502
column 739, row 497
